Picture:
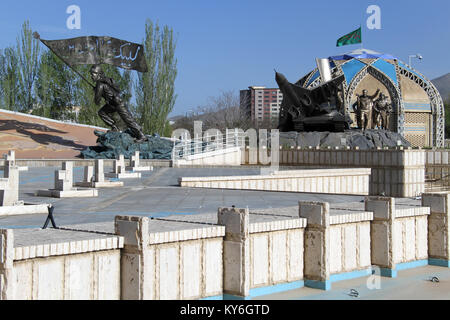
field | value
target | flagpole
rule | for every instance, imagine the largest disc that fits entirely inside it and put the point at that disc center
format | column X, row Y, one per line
column 361, row 37
column 37, row 36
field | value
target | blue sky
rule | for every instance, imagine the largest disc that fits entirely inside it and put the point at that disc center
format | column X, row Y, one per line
column 233, row 44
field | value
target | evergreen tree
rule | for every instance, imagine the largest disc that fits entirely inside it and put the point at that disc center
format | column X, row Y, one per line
column 9, row 79
column 155, row 89
column 28, row 53
column 56, row 88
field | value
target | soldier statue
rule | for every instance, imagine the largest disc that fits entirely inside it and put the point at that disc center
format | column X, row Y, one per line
column 107, row 89
column 382, row 109
column 363, row 108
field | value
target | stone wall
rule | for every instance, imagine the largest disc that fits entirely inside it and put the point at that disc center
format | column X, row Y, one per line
column 237, row 254
column 395, row 172
column 261, row 254
column 59, row 264
column 166, row 260
column 337, row 247
column 399, row 235
column 338, row 181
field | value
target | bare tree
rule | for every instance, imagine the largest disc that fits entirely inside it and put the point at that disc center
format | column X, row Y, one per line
column 224, row 112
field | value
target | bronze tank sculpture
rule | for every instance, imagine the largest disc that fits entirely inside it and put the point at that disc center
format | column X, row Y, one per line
column 317, row 109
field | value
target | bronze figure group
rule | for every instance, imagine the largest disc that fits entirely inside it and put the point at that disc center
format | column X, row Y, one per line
column 368, row 110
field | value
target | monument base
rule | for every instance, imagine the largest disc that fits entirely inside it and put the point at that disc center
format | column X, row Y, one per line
column 74, row 193
column 111, row 144
column 364, row 140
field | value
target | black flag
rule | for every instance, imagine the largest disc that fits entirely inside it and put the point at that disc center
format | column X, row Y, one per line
column 98, row 50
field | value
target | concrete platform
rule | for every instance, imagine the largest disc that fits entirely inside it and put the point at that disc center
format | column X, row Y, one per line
column 139, row 169
column 125, row 175
column 412, row 284
column 104, row 184
column 75, row 193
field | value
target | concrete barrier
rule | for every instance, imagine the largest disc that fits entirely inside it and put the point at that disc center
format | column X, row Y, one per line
column 337, row 181
column 166, row 260
column 56, row 264
column 262, row 254
column 337, row 247
column 399, row 235
column 438, row 228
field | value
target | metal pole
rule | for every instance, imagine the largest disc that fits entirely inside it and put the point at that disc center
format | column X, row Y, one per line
column 37, row 36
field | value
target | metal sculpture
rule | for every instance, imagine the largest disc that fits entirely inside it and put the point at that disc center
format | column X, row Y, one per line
column 94, row 50
column 381, row 111
column 363, row 108
column 318, row 109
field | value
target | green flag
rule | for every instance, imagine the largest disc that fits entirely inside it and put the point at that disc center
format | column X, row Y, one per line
column 350, row 38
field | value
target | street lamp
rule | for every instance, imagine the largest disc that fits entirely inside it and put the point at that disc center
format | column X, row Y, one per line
column 418, row 56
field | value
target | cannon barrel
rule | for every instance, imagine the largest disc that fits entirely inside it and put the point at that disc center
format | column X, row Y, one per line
column 300, row 97
column 287, row 89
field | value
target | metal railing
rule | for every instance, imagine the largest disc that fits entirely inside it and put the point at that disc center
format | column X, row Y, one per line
column 185, row 146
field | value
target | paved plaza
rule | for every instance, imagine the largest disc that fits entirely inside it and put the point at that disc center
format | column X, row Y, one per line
column 158, row 196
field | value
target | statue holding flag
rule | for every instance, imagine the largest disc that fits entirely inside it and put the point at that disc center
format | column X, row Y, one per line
column 94, row 50
column 106, row 88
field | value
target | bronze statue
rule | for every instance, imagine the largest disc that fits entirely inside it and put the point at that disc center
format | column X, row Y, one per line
column 363, row 108
column 382, row 109
column 107, row 89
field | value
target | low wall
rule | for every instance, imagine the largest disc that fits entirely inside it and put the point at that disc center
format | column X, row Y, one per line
column 262, row 254
column 228, row 156
column 85, row 162
column 235, row 254
column 338, row 181
column 395, row 172
column 337, row 247
column 399, row 235
column 56, row 264
column 437, row 169
column 166, row 260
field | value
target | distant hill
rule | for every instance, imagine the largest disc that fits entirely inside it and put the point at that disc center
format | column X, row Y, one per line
column 443, row 85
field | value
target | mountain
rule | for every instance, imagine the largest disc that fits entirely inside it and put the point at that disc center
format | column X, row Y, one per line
column 443, row 85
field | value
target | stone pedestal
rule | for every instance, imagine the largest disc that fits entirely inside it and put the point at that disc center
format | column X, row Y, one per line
column 398, row 235
column 236, row 251
column 317, row 244
column 98, row 180
column 135, row 165
column 64, row 185
column 438, row 228
column 119, row 171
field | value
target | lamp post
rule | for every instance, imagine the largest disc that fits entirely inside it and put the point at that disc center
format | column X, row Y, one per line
column 418, row 56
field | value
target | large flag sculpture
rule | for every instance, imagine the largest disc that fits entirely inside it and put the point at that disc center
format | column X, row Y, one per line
column 98, row 50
